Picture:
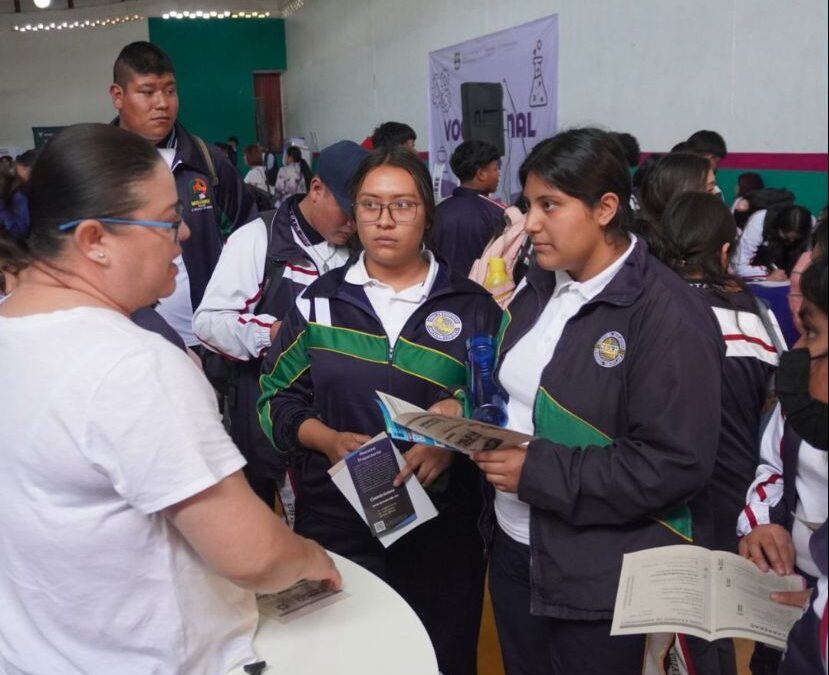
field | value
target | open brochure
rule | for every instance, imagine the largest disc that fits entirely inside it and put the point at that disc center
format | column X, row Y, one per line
column 365, row 478
column 408, row 422
column 708, row 594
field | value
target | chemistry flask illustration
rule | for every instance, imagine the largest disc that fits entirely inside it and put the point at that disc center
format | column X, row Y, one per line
column 538, row 93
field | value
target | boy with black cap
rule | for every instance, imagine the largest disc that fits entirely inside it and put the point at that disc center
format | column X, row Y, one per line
column 263, row 267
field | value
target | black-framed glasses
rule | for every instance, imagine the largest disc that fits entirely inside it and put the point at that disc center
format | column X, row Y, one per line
column 162, row 224
column 400, row 210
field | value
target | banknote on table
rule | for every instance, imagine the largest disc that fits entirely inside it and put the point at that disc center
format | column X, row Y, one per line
column 301, row 594
column 455, row 433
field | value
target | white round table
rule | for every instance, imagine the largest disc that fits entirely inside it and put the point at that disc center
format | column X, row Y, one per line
column 367, row 629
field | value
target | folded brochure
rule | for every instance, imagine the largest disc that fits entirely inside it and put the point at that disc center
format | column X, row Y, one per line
column 407, row 422
column 301, row 594
column 365, row 478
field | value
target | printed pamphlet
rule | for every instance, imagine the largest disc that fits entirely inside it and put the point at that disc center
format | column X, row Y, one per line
column 365, row 478
column 708, row 594
column 455, row 433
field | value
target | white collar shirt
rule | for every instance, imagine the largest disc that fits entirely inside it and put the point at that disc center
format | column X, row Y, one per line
column 520, row 373
column 393, row 308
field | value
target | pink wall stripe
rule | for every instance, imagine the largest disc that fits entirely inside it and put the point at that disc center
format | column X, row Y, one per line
column 777, row 161
column 769, row 161
column 773, row 161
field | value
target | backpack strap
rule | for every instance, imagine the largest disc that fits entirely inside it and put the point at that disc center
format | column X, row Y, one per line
column 211, row 167
column 274, row 266
column 770, row 324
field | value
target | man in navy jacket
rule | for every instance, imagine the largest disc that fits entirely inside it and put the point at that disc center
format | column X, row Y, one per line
column 213, row 198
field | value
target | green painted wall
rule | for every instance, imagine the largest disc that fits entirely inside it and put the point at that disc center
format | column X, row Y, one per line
column 809, row 187
column 215, row 61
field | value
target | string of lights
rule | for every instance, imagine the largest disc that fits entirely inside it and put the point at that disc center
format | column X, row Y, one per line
column 199, row 14
column 70, row 25
column 286, row 11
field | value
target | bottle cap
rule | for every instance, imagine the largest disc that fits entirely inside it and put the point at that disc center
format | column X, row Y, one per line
column 497, row 265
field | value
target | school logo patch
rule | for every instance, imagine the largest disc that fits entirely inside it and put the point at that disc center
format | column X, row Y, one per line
column 609, row 350
column 199, row 199
column 443, row 326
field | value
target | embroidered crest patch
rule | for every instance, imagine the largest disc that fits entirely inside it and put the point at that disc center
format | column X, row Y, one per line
column 609, row 350
column 199, row 199
column 443, row 326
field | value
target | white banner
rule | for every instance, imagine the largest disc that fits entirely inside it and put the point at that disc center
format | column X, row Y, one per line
column 524, row 60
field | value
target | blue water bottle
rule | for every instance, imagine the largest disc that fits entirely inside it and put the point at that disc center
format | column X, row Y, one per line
column 488, row 402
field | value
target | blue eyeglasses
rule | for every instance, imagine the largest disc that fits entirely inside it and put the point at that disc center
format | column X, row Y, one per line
column 164, row 225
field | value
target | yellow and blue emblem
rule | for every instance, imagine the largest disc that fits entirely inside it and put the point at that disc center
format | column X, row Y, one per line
column 609, row 350
column 444, row 326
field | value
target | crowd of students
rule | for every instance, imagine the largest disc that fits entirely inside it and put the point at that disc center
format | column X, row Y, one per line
column 632, row 349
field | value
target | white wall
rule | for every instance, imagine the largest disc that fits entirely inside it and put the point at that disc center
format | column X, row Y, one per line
column 56, row 78
column 754, row 70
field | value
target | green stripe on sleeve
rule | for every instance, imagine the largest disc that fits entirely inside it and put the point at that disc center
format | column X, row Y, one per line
column 290, row 364
column 428, row 364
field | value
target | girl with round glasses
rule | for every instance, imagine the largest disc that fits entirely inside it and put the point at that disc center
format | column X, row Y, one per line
column 396, row 320
column 121, row 495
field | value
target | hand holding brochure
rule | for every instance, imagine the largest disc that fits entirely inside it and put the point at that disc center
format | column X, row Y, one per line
column 365, row 478
column 708, row 594
column 410, row 423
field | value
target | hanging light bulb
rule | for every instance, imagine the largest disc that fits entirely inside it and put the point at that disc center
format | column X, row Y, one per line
column 42, row 4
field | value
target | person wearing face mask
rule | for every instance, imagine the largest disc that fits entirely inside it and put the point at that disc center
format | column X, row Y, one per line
column 788, row 500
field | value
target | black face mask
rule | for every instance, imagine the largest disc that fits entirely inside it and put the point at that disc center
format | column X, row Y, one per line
column 807, row 416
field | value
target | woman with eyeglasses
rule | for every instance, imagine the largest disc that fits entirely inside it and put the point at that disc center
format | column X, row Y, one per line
column 130, row 539
column 394, row 319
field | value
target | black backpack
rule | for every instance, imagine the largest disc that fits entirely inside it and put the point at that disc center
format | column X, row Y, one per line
column 221, row 372
column 265, row 201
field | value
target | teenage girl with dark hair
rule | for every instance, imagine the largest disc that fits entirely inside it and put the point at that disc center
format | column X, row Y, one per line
column 293, row 178
column 699, row 232
column 393, row 319
column 615, row 365
column 786, row 235
column 672, row 174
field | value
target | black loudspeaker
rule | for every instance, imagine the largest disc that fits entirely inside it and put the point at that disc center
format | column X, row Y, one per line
column 483, row 113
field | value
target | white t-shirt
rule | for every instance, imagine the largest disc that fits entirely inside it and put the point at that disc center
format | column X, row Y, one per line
column 104, row 426
column 520, row 373
column 258, row 178
column 750, row 240
column 177, row 308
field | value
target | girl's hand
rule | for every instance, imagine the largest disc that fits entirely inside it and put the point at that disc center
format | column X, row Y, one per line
column 502, row 467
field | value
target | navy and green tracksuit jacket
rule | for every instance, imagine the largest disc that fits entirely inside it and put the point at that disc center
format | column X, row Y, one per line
column 628, row 415
column 332, row 353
